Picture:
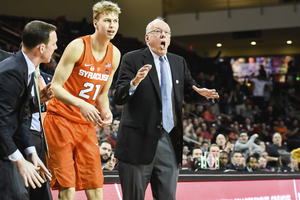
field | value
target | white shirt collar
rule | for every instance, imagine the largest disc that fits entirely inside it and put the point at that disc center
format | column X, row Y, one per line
column 30, row 65
column 155, row 56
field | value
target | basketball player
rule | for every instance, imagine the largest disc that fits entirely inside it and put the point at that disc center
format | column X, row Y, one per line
column 81, row 80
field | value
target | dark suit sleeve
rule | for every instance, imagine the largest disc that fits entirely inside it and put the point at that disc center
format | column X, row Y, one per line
column 11, row 90
column 127, row 72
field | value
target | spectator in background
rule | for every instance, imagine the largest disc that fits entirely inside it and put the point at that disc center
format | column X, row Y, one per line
column 185, row 150
column 190, row 132
column 249, row 127
column 247, row 147
column 234, row 130
column 209, row 115
column 258, row 89
column 238, row 98
column 262, row 144
column 108, row 163
column 204, row 133
column 223, row 159
column 105, row 132
column 198, row 110
column 269, row 116
column 236, row 162
column 204, row 146
column 248, row 113
column 196, row 153
column 285, row 161
column 223, row 145
column 262, row 71
column 184, row 159
column 257, row 114
column 113, row 137
column 294, row 164
column 98, row 131
column 293, row 134
column 262, row 164
column 292, row 70
column 282, row 129
column 268, row 158
column 213, row 131
column 264, row 133
column 226, row 105
column 214, row 148
column 276, row 149
column 251, row 164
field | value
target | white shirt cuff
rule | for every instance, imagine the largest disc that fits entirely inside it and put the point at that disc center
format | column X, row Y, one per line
column 132, row 88
column 15, row 156
column 30, row 150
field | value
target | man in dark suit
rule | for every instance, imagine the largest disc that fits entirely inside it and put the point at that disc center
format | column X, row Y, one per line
column 16, row 80
column 149, row 142
column 39, row 142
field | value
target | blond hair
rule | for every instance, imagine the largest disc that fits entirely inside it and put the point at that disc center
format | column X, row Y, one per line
column 105, row 7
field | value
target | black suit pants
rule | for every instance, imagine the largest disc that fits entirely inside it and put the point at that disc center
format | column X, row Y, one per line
column 12, row 185
column 162, row 174
column 44, row 192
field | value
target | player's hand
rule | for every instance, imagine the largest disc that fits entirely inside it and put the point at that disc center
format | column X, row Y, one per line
column 106, row 120
column 141, row 74
column 89, row 112
column 208, row 93
column 29, row 173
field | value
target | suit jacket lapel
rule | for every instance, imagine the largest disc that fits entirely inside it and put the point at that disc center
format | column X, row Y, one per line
column 175, row 77
column 27, row 88
column 152, row 73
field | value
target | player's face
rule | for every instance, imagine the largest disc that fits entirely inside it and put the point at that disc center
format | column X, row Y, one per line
column 107, row 25
column 50, row 47
column 159, row 38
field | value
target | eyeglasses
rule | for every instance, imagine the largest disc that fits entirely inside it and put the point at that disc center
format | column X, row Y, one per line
column 158, row 31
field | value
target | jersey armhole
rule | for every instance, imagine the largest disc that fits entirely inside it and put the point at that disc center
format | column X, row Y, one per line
column 79, row 62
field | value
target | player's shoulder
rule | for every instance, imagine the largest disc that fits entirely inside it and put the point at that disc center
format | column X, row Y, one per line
column 116, row 51
column 75, row 48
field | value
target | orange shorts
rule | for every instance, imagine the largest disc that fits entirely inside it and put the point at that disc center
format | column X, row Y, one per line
column 74, row 154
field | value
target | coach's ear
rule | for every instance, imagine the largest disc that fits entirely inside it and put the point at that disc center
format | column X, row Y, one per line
column 147, row 39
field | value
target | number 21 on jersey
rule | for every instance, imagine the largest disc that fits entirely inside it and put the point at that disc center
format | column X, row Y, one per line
column 89, row 88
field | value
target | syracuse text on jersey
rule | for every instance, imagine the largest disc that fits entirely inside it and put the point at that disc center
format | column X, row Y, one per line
column 92, row 75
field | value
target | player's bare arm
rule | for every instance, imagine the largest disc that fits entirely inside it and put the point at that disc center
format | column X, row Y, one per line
column 102, row 100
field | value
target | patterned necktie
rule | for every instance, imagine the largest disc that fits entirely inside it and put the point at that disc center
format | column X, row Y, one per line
column 37, row 92
column 166, row 96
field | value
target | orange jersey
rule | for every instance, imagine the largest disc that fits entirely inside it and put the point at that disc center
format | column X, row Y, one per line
column 86, row 82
